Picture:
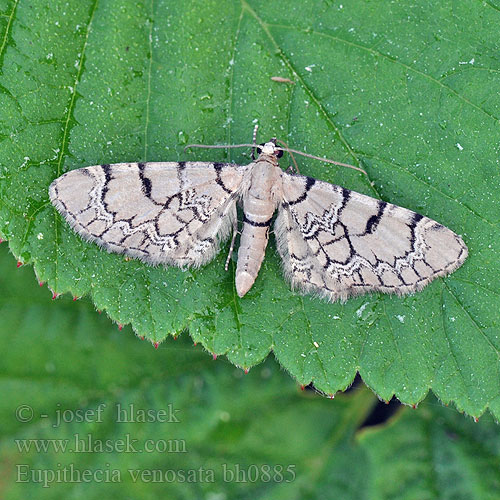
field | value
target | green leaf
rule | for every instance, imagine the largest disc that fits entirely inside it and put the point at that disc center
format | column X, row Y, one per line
column 245, row 436
column 404, row 90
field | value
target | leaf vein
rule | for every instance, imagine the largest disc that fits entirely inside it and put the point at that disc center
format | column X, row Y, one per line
column 10, row 17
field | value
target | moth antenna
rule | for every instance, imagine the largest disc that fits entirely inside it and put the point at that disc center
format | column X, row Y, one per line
column 325, row 160
column 221, row 146
column 254, row 140
column 291, row 155
column 254, row 136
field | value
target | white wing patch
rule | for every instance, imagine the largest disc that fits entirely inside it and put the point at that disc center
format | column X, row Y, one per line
column 162, row 213
column 338, row 243
column 333, row 242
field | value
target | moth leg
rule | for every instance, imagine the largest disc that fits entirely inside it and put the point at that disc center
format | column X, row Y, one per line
column 231, row 248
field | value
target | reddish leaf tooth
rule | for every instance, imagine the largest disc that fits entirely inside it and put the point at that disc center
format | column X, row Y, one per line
column 214, row 356
column 19, row 264
column 156, row 344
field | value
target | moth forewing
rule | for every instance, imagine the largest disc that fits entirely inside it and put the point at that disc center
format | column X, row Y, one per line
column 162, row 213
column 338, row 243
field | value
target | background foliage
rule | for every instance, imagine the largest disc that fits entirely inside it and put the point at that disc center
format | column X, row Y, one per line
column 406, row 90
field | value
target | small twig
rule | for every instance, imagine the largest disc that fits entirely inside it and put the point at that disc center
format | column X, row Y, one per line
column 280, row 79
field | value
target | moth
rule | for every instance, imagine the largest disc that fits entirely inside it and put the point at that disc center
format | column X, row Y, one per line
column 333, row 242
